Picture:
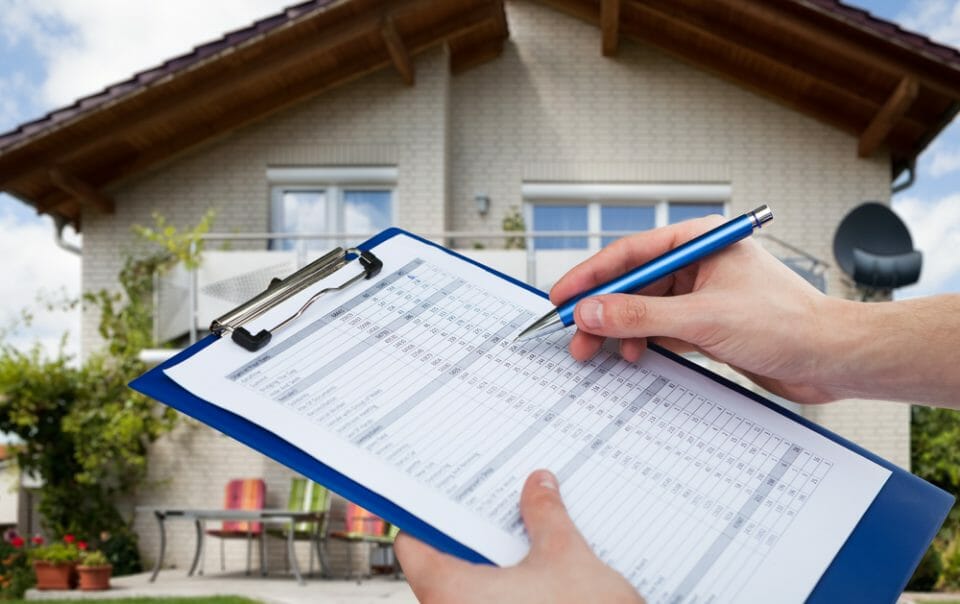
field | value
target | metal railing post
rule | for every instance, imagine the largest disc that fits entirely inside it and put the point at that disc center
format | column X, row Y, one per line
column 193, row 294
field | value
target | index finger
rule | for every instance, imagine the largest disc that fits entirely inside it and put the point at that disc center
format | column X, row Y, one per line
column 627, row 253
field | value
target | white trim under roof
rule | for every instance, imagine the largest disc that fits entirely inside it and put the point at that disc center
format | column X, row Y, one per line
column 311, row 175
column 626, row 191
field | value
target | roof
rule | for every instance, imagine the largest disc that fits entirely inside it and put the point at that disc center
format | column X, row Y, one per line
column 61, row 162
column 887, row 86
column 888, row 30
column 167, row 68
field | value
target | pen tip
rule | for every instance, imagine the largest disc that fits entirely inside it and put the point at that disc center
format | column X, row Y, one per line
column 548, row 323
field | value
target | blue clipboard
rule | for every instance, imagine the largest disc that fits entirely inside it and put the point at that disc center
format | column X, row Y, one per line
column 873, row 565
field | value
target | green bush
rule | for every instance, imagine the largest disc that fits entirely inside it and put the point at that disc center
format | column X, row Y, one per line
column 56, row 553
column 94, row 558
column 16, row 572
column 935, row 457
column 950, row 573
column 120, row 549
column 83, row 430
column 928, row 572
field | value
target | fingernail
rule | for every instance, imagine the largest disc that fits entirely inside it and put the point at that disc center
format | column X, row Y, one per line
column 548, row 480
column 591, row 313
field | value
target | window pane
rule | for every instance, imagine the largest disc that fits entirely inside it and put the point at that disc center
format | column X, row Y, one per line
column 366, row 212
column 300, row 212
column 679, row 212
column 559, row 218
column 626, row 218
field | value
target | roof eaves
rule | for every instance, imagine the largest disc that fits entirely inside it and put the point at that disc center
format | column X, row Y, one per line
column 885, row 30
column 142, row 81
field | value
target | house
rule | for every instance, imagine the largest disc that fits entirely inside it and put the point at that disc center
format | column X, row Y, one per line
column 11, row 496
column 446, row 116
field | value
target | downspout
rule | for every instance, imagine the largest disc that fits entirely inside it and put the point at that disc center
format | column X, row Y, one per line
column 58, row 225
column 911, row 177
column 942, row 122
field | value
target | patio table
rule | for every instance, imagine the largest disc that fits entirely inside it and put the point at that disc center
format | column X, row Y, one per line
column 200, row 516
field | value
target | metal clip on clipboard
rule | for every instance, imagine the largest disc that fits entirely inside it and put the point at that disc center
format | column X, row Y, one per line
column 282, row 289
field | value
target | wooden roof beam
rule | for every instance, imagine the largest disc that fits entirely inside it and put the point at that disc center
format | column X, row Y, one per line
column 398, row 51
column 610, row 26
column 308, row 87
column 887, row 117
column 806, row 33
column 212, row 89
column 771, row 42
column 82, row 191
column 128, row 127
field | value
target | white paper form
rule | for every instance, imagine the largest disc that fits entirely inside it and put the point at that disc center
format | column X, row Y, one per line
column 411, row 386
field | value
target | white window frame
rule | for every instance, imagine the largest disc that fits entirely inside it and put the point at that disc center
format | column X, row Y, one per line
column 597, row 195
column 333, row 181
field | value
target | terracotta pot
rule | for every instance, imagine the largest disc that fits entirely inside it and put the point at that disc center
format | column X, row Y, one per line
column 94, row 577
column 54, row 576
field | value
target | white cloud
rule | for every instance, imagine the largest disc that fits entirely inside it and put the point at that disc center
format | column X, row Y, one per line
column 34, row 266
column 938, row 19
column 935, row 226
column 943, row 162
column 89, row 44
column 85, row 46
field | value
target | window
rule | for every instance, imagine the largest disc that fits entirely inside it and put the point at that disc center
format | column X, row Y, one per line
column 551, row 217
column 613, row 208
column 329, row 201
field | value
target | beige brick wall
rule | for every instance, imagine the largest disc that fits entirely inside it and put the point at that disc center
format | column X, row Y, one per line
column 374, row 121
column 551, row 108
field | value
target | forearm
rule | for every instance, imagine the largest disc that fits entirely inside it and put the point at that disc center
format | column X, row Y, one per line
column 906, row 351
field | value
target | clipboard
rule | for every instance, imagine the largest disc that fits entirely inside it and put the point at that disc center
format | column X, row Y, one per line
column 873, row 565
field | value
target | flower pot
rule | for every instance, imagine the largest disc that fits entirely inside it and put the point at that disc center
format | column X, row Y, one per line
column 54, row 576
column 94, row 577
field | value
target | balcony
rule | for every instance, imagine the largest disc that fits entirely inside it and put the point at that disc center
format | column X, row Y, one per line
column 236, row 267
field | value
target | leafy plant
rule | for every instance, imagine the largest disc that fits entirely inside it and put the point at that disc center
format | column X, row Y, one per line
column 16, row 573
column 93, row 558
column 181, row 246
column 935, row 457
column 84, row 432
column 513, row 221
column 56, row 553
column 120, row 548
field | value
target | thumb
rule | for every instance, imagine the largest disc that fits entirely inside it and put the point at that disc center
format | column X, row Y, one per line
column 632, row 316
column 549, row 526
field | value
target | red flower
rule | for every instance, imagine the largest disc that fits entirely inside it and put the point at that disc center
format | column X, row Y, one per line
column 68, row 538
column 37, row 540
column 17, row 541
column 82, row 546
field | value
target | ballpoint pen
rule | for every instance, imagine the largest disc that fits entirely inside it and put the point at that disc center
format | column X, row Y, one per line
column 712, row 241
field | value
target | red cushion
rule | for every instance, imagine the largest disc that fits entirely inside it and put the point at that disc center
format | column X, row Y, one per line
column 244, row 494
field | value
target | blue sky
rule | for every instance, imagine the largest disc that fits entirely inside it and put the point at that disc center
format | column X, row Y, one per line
column 55, row 51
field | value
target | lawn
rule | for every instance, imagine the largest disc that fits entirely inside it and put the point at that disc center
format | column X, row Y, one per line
column 203, row 600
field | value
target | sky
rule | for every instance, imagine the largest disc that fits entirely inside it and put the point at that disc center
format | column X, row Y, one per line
column 55, row 51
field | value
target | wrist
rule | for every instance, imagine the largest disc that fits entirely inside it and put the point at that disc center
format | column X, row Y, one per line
column 896, row 351
column 853, row 348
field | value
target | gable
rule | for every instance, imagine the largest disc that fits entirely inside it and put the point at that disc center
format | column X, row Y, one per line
column 890, row 89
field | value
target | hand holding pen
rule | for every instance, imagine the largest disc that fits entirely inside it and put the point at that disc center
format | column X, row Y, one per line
column 650, row 272
column 741, row 306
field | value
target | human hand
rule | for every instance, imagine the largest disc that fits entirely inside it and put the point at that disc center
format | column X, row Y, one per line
column 740, row 306
column 560, row 566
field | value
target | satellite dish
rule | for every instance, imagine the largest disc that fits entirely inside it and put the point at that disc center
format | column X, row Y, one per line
column 874, row 248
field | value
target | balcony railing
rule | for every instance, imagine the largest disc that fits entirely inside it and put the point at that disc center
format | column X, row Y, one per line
column 235, row 267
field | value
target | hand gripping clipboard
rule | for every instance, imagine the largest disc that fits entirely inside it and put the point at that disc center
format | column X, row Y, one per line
column 873, row 565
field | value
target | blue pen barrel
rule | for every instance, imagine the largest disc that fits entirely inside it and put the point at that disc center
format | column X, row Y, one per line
column 672, row 261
